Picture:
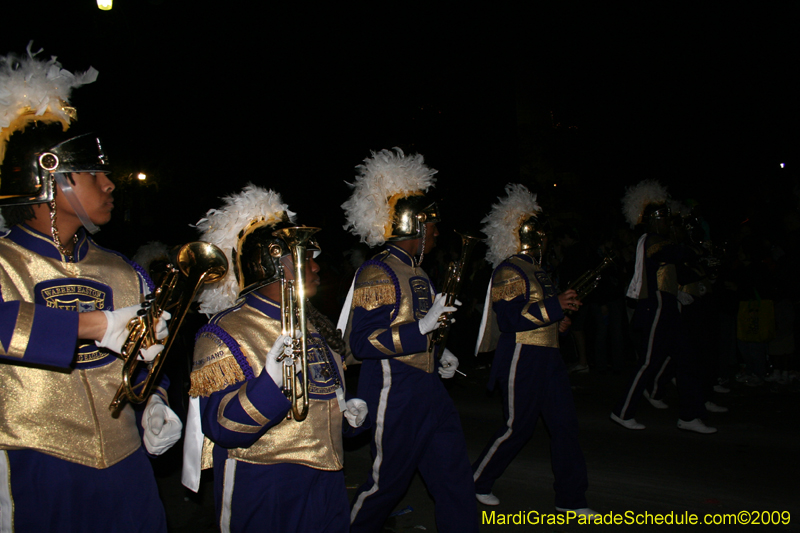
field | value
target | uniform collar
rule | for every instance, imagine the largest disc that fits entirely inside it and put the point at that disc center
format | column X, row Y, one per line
column 42, row 244
column 264, row 304
column 402, row 255
column 525, row 257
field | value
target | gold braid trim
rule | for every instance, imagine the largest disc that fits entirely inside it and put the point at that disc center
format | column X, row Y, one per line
column 374, row 295
column 508, row 290
column 215, row 377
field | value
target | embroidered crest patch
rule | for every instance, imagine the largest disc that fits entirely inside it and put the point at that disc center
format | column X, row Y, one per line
column 79, row 295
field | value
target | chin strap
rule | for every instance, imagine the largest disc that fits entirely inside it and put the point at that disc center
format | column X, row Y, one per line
column 422, row 244
column 72, row 198
column 54, row 228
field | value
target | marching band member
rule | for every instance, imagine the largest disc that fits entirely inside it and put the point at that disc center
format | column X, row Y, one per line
column 65, row 304
column 270, row 473
column 659, row 330
column 523, row 306
column 388, row 319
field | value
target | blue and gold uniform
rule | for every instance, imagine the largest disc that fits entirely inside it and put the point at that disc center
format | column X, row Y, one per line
column 660, row 331
column 270, row 473
column 63, row 452
column 416, row 425
column 533, row 379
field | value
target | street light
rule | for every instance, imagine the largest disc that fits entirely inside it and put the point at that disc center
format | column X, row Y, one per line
column 105, row 5
column 142, row 176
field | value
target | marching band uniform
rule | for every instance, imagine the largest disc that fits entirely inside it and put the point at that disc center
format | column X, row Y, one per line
column 524, row 308
column 657, row 323
column 67, row 464
column 275, row 473
column 40, row 295
column 416, row 424
column 699, row 317
column 270, row 473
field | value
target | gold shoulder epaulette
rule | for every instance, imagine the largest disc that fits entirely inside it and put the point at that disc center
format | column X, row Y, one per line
column 215, row 367
column 374, row 287
column 507, row 284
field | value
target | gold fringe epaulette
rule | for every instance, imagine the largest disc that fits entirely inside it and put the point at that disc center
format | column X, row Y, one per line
column 374, row 288
column 508, row 290
column 215, row 377
column 374, row 294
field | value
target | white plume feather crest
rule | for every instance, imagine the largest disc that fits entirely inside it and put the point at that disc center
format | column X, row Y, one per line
column 152, row 251
column 382, row 176
column 222, row 226
column 32, row 89
column 501, row 225
column 639, row 196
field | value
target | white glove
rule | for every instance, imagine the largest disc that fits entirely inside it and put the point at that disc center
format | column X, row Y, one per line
column 685, row 298
column 117, row 330
column 117, row 327
column 148, row 354
column 430, row 321
column 449, row 364
column 161, row 326
column 274, row 367
column 356, row 412
column 162, row 427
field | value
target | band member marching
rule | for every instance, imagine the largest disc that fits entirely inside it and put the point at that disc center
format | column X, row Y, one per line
column 659, row 330
column 388, row 320
column 271, row 473
column 523, row 307
column 65, row 306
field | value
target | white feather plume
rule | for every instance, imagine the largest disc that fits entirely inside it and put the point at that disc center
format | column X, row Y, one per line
column 30, row 85
column 639, row 196
column 222, row 226
column 383, row 176
column 501, row 225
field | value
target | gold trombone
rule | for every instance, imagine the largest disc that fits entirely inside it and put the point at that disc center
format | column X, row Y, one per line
column 197, row 263
column 293, row 317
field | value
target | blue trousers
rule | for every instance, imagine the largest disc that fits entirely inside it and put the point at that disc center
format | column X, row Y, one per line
column 416, row 427
column 534, row 382
column 51, row 494
column 283, row 497
column 660, row 334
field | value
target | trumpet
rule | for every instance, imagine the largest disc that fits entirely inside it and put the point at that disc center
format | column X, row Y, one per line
column 591, row 279
column 451, row 287
column 198, row 263
column 293, row 317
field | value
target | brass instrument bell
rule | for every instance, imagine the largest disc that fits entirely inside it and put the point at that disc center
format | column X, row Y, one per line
column 198, row 263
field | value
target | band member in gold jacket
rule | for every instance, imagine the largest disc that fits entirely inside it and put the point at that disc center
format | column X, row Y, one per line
column 388, row 321
column 271, row 473
column 526, row 313
column 65, row 304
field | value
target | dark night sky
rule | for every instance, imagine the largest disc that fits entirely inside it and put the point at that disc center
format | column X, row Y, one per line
column 701, row 95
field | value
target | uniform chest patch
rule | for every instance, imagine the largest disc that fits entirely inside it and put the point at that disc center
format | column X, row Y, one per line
column 548, row 289
column 420, row 296
column 82, row 296
column 323, row 378
column 72, row 294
